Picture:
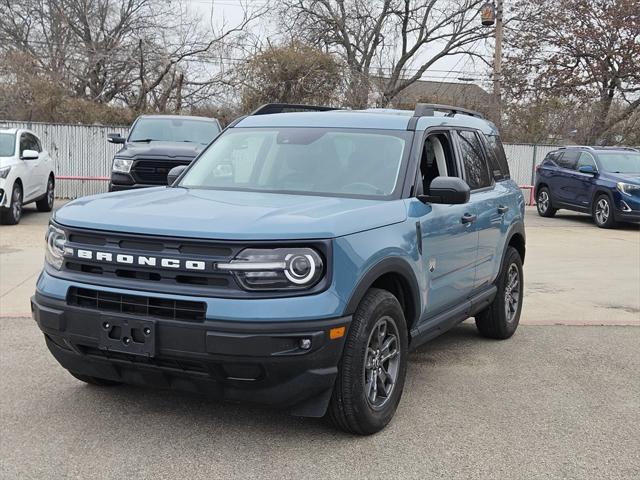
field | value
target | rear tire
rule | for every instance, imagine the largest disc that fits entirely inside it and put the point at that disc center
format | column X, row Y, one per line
column 543, row 203
column 500, row 319
column 100, row 382
column 45, row 204
column 603, row 212
column 13, row 213
column 372, row 370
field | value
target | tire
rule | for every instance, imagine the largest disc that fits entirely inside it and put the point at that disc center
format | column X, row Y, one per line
column 100, row 382
column 543, row 203
column 494, row 321
column 355, row 407
column 603, row 212
column 12, row 214
column 45, row 204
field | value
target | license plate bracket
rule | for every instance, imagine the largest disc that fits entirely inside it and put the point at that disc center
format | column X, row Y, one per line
column 127, row 335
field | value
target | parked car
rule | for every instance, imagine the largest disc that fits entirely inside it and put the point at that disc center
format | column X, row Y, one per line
column 26, row 174
column 294, row 263
column 601, row 181
column 156, row 144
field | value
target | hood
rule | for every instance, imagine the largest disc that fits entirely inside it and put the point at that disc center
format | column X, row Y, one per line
column 8, row 161
column 228, row 215
column 159, row 150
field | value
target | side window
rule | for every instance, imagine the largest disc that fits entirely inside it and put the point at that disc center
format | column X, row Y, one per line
column 497, row 158
column 475, row 166
column 568, row 160
column 586, row 159
column 437, row 159
column 24, row 143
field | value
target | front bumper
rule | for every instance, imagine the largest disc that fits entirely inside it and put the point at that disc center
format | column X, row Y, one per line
column 627, row 208
column 254, row 362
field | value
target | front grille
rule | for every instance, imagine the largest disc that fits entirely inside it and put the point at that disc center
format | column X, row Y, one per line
column 137, row 305
column 154, row 172
column 162, row 280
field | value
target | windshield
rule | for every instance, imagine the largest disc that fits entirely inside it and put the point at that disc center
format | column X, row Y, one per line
column 7, row 144
column 342, row 162
column 173, row 130
column 620, row 162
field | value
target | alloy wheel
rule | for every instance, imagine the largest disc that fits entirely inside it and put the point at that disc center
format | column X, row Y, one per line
column 382, row 362
column 16, row 203
column 50, row 193
column 512, row 293
column 543, row 201
column 602, row 211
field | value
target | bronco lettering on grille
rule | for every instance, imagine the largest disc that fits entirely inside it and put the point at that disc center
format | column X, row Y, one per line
column 138, row 260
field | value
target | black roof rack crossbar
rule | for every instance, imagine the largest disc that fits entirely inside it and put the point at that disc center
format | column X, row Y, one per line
column 270, row 108
column 428, row 109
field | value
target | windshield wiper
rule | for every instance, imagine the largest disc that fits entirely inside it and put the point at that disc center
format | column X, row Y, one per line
column 145, row 140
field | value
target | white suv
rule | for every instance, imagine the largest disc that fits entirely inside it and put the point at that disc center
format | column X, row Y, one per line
column 26, row 174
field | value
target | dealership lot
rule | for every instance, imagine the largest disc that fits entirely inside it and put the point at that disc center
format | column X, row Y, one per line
column 560, row 399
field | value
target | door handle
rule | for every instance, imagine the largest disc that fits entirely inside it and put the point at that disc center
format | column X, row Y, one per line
column 502, row 209
column 468, row 218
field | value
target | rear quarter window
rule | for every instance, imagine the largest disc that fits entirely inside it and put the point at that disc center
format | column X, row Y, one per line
column 497, row 158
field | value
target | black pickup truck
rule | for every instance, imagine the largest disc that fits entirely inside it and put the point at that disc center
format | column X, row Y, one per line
column 156, row 144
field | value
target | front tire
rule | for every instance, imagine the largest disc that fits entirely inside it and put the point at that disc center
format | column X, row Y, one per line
column 12, row 214
column 500, row 319
column 45, row 204
column 372, row 370
column 603, row 212
column 543, row 203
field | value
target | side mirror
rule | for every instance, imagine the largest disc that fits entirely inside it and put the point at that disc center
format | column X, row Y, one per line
column 115, row 138
column 29, row 155
column 174, row 173
column 447, row 190
column 587, row 169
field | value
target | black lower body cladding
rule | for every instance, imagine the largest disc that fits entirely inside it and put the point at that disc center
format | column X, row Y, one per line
column 285, row 365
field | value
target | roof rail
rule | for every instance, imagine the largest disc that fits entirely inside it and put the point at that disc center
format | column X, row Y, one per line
column 563, row 147
column 428, row 109
column 270, row 108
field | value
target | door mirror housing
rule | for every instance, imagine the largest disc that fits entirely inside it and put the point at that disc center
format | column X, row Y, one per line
column 115, row 138
column 29, row 155
column 174, row 173
column 587, row 169
column 447, row 190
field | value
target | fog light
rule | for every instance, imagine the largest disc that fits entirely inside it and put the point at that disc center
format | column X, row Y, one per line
column 625, row 207
column 305, row 343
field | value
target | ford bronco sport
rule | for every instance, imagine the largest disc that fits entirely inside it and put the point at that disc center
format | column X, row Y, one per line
column 294, row 263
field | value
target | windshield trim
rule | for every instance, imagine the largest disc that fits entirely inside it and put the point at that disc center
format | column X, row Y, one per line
column 396, row 194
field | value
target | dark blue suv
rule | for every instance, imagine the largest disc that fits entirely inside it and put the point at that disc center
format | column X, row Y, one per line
column 601, row 181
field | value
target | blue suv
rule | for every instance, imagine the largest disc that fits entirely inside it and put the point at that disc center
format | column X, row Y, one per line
column 601, row 181
column 294, row 264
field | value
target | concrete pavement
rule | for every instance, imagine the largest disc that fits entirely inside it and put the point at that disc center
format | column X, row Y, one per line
column 552, row 402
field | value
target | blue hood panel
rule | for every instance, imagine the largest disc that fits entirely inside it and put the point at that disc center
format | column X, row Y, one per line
column 228, row 215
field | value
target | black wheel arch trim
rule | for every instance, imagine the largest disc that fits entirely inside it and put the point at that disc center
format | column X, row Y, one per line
column 515, row 228
column 395, row 265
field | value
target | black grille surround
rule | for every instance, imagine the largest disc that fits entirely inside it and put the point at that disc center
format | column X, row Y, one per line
column 154, row 172
column 155, row 280
column 137, row 304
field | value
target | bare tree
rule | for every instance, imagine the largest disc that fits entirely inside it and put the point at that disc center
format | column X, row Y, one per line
column 402, row 37
column 581, row 51
column 293, row 73
column 145, row 54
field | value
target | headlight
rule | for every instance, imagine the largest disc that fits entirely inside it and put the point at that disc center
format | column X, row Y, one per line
column 276, row 269
column 4, row 172
column 628, row 188
column 56, row 240
column 122, row 165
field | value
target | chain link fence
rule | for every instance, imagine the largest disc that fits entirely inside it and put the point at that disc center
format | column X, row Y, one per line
column 83, row 157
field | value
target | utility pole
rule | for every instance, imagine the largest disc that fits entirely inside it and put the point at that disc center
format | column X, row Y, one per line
column 497, row 65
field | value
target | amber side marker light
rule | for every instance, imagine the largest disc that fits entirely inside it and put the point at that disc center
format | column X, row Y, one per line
column 336, row 332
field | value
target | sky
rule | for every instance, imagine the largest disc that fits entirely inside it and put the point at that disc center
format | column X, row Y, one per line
column 450, row 69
